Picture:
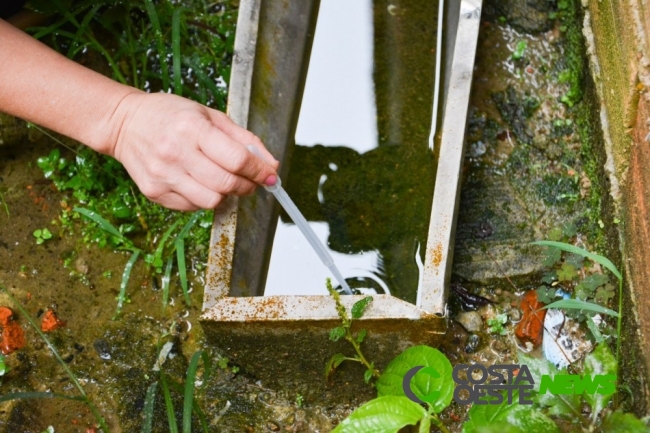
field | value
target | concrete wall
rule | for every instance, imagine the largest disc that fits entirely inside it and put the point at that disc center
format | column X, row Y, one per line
column 616, row 32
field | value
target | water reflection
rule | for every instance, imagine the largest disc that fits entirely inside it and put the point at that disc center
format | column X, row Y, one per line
column 371, row 195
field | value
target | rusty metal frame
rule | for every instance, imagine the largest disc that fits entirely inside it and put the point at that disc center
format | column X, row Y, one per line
column 257, row 331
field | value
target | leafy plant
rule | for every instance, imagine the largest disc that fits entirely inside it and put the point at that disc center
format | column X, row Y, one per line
column 392, row 409
column 496, row 324
column 139, row 49
column 585, row 290
column 519, row 51
column 42, row 235
column 345, row 331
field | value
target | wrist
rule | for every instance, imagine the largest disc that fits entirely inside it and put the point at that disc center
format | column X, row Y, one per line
column 115, row 121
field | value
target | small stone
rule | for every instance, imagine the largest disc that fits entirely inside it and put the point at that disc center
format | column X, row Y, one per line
column 102, row 348
column 515, row 315
column 81, row 265
column 272, row 426
column 473, row 343
column 500, row 346
column 471, row 321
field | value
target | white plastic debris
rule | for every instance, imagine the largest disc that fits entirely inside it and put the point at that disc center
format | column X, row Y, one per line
column 564, row 343
column 162, row 356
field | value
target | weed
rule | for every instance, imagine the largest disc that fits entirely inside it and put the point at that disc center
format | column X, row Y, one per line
column 136, row 46
column 594, row 286
column 187, row 390
column 519, row 51
column 345, row 331
column 42, row 235
column 496, row 325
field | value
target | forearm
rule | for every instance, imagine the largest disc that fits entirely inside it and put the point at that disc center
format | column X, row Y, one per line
column 41, row 86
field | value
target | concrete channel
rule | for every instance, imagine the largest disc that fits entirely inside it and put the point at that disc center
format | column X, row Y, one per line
column 270, row 335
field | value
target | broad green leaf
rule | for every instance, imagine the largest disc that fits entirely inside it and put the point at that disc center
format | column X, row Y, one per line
column 334, row 362
column 558, row 405
column 575, row 250
column 387, row 414
column 618, row 422
column 600, row 361
column 487, row 417
column 361, row 336
column 500, row 427
column 367, row 375
column 422, row 384
column 337, row 333
column 577, row 304
column 360, row 306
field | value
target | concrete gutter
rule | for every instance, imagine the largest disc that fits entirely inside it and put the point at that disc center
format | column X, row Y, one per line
column 283, row 339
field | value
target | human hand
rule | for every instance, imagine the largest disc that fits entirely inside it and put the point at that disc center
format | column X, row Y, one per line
column 184, row 155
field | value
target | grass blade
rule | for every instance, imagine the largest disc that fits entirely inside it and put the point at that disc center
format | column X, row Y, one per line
column 125, row 280
column 165, row 281
column 182, row 270
column 176, row 50
column 171, row 415
column 208, row 82
column 162, row 50
column 180, row 254
column 577, row 304
column 4, row 203
column 103, row 224
column 83, row 27
column 148, row 408
column 195, row 407
column 576, row 250
column 189, row 391
column 38, row 395
column 594, row 330
column 157, row 257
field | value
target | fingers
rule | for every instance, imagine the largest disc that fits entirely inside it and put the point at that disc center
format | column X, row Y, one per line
column 171, row 200
column 198, row 195
column 242, row 135
column 215, row 178
column 233, row 157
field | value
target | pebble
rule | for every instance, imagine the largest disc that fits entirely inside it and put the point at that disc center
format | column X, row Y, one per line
column 471, row 321
column 102, row 348
column 473, row 343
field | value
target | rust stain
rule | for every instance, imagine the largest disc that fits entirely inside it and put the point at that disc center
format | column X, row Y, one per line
column 436, row 255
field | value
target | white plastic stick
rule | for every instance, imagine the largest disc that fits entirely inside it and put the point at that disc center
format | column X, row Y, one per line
column 299, row 220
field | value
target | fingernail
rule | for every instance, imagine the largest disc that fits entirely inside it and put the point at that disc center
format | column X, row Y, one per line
column 270, row 181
